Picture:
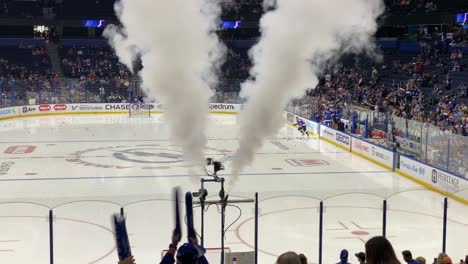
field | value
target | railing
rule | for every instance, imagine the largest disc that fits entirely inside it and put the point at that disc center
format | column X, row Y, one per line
column 318, row 223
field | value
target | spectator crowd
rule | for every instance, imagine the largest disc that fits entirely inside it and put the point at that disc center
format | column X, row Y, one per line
column 94, row 74
column 344, row 85
column 378, row 250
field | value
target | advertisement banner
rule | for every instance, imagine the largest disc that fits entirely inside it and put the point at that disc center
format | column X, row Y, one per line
column 336, row 137
column 378, row 154
column 8, row 112
column 71, row 108
column 86, row 107
column 432, row 176
column 44, row 107
column 60, row 107
column 125, row 107
column 106, row 107
column 225, row 108
column 378, row 135
column 29, row 109
column 118, row 107
column 408, row 145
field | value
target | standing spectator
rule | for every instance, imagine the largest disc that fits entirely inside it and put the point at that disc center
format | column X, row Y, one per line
column 379, row 250
column 102, row 94
column 341, row 127
column 344, row 257
column 447, row 260
column 408, row 257
column 189, row 253
column 421, row 260
column 375, row 74
column 448, row 82
column 361, row 256
column 419, row 68
column 440, row 258
column 291, row 258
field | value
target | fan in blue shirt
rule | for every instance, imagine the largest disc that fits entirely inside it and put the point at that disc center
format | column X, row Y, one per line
column 344, row 257
column 408, row 257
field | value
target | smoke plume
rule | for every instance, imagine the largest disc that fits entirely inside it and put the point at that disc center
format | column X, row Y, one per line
column 298, row 37
column 179, row 52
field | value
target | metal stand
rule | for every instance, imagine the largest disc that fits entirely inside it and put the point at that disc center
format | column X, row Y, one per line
column 51, row 236
column 320, row 232
column 444, row 231
column 223, row 202
column 202, row 195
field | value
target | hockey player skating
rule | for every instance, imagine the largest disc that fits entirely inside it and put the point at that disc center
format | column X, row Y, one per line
column 301, row 126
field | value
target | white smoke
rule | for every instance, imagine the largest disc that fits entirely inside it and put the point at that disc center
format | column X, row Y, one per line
column 179, row 52
column 126, row 52
column 298, row 37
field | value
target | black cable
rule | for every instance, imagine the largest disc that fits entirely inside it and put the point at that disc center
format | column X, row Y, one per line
column 237, row 219
column 208, row 207
column 219, row 211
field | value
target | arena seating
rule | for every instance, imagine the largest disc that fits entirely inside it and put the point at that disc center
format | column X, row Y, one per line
column 96, row 66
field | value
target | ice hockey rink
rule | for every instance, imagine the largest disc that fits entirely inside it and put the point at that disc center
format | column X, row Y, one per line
column 86, row 168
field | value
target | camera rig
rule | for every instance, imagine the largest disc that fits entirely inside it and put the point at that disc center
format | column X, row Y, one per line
column 223, row 201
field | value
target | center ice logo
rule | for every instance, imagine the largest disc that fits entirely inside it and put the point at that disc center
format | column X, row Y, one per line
column 150, row 156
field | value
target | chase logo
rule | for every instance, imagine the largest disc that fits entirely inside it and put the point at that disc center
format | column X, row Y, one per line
column 434, row 176
column 422, row 171
column 342, row 138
